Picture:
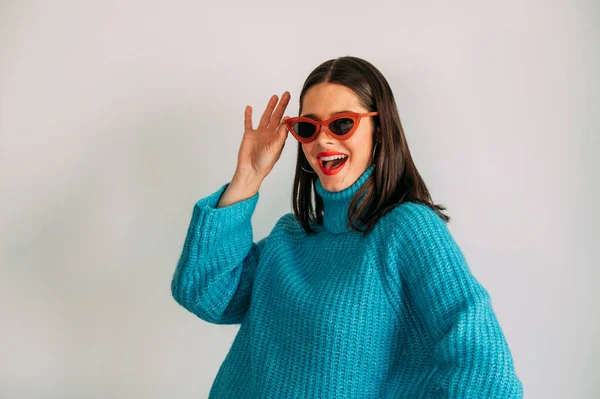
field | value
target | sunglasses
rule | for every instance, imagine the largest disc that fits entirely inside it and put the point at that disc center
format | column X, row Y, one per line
column 342, row 126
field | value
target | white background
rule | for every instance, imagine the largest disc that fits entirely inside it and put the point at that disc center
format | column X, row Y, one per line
column 116, row 117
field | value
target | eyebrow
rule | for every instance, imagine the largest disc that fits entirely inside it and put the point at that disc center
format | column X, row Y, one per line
column 313, row 116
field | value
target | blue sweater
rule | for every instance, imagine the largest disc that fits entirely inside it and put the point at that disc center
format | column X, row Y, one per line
column 396, row 314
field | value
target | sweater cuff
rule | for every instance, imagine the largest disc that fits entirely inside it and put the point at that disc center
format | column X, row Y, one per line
column 226, row 218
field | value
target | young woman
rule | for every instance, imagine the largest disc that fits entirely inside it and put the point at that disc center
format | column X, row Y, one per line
column 361, row 292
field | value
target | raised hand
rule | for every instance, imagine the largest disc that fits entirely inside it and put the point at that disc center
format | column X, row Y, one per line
column 259, row 151
column 261, row 147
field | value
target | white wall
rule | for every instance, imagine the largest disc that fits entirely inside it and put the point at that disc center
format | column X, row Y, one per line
column 115, row 117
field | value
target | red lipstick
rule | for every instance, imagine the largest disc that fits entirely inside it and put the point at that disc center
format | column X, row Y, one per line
column 331, row 172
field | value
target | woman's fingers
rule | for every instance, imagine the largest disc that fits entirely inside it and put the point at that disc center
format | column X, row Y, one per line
column 276, row 117
column 264, row 120
column 269, row 118
column 248, row 118
column 283, row 127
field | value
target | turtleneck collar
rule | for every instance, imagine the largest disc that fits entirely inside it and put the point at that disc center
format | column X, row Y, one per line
column 336, row 203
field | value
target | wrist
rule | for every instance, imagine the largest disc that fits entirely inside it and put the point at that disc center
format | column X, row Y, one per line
column 247, row 179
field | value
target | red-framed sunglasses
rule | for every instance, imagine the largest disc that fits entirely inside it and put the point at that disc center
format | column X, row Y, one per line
column 341, row 125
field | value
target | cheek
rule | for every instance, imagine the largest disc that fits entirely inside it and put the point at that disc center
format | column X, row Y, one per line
column 360, row 143
column 355, row 147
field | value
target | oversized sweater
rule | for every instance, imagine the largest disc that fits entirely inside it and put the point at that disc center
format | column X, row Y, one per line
column 395, row 314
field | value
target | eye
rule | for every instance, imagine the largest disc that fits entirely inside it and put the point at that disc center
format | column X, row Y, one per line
column 305, row 129
column 341, row 126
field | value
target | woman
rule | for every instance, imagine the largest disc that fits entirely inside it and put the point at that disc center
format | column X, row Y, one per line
column 361, row 292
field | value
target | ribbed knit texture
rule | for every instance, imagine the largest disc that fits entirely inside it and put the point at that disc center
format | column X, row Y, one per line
column 396, row 314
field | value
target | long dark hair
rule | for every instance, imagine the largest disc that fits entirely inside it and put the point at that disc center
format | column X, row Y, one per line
column 394, row 180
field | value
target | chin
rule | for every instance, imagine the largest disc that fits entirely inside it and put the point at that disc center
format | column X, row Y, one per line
column 329, row 186
column 337, row 182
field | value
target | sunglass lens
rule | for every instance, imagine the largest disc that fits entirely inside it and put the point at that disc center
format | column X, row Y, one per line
column 341, row 126
column 304, row 129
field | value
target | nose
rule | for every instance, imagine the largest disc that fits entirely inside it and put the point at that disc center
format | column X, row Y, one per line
column 324, row 136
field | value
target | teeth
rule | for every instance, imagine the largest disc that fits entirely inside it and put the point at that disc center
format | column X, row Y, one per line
column 331, row 158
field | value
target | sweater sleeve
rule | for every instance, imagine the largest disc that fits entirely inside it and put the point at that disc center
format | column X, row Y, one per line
column 471, row 357
column 215, row 272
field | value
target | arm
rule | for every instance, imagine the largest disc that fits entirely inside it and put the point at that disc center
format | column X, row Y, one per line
column 215, row 272
column 468, row 348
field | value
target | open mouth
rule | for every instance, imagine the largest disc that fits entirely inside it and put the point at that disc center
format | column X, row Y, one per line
column 332, row 164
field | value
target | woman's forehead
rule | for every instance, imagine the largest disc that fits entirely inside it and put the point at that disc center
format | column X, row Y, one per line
column 326, row 99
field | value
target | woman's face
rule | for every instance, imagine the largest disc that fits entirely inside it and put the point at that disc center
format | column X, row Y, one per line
column 322, row 101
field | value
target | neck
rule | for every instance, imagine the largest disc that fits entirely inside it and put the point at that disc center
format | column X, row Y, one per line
column 336, row 203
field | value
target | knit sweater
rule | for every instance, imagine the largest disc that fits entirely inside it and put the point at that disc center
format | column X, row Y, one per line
column 395, row 314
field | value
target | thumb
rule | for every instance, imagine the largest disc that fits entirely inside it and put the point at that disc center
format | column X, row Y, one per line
column 283, row 127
